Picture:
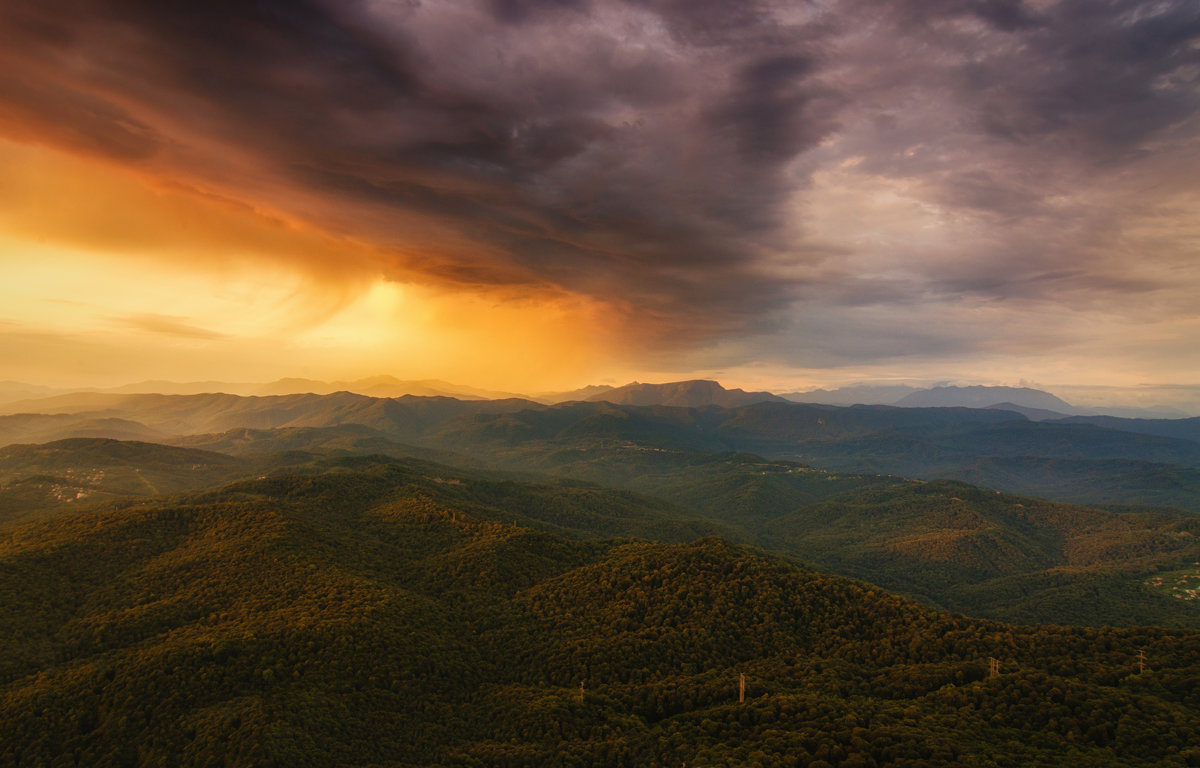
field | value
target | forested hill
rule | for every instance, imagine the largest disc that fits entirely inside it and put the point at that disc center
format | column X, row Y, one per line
column 952, row 545
column 338, row 617
column 78, row 472
column 1086, row 460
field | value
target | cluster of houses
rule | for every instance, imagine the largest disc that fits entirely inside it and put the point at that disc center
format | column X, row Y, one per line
column 1186, row 586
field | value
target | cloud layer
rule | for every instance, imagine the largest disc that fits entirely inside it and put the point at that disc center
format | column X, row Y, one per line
column 823, row 183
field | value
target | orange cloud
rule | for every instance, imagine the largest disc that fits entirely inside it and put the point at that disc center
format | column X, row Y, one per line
column 109, row 273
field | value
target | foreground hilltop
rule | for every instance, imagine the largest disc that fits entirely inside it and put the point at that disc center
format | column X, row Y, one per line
column 354, row 613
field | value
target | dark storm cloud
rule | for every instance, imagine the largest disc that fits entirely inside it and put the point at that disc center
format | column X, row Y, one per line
column 772, row 113
column 1037, row 136
column 578, row 174
column 652, row 153
column 1115, row 89
column 518, row 11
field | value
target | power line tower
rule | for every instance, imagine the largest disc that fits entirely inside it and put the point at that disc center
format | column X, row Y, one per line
column 1141, row 660
column 993, row 667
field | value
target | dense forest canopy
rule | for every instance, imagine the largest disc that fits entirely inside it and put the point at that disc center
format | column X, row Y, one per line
column 352, row 614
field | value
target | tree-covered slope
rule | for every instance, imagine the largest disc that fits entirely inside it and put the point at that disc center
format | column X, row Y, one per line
column 45, row 428
column 992, row 554
column 1120, row 482
column 1087, row 460
column 969, row 549
column 82, row 471
column 343, row 440
column 321, row 619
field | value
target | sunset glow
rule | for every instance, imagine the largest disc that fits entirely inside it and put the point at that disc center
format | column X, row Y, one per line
column 530, row 197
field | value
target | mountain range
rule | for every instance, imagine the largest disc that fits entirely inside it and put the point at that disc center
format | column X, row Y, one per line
column 374, row 386
column 342, row 579
column 986, row 397
column 686, row 394
column 1096, row 460
column 951, row 544
column 1035, row 404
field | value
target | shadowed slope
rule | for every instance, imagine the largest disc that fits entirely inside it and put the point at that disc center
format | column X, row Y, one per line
column 310, row 620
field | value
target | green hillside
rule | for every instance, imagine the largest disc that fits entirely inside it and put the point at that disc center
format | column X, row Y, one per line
column 952, row 545
column 1091, row 460
column 1114, row 482
column 961, row 547
column 83, row 471
column 991, row 554
column 344, row 439
column 347, row 616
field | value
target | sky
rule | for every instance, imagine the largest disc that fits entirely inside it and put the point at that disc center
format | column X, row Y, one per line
column 533, row 195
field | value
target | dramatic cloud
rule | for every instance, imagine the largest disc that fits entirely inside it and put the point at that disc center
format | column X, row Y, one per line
column 801, row 184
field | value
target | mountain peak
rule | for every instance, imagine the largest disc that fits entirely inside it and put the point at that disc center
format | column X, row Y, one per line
column 980, row 396
column 693, row 393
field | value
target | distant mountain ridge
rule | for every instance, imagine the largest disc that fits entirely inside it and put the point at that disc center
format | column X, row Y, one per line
column 583, row 393
column 1035, row 405
column 941, row 396
column 18, row 397
column 383, row 386
column 986, row 397
column 1118, row 461
column 858, row 394
column 12, row 391
column 45, row 427
column 685, row 394
column 12, row 394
